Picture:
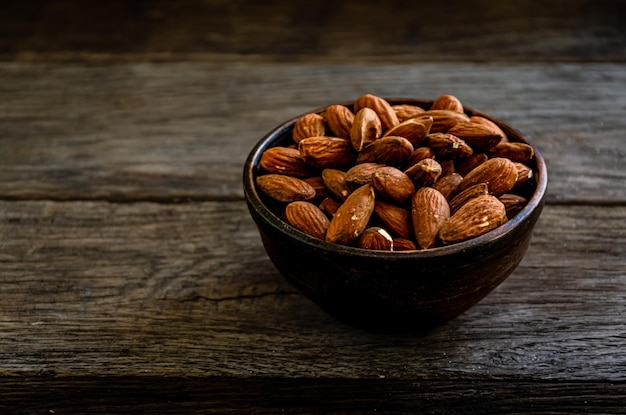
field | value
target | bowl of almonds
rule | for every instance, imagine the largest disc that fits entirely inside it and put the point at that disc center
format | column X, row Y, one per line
column 395, row 214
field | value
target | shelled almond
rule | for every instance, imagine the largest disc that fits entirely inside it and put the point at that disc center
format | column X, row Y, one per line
column 397, row 177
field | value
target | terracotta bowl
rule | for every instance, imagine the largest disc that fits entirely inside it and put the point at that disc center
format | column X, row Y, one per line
column 393, row 291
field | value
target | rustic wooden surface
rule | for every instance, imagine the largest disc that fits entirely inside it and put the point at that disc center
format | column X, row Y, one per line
column 133, row 280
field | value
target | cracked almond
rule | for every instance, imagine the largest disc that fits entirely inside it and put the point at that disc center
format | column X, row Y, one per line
column 387, row 115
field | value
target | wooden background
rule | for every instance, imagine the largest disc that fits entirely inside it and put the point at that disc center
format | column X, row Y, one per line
column 133, row 280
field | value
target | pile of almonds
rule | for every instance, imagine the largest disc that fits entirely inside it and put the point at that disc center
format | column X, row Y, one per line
column 397, row 177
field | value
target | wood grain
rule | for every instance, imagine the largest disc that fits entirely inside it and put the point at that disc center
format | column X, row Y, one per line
column 181, row 131
column 546, row 30
column 96, row 289
column 132, row 395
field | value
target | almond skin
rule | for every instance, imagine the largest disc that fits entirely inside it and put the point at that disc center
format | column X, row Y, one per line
column 393, row 184
column 365, row 129
column 424, row 172
column 477, row 119
column 335, row 182
column 476, row 217
column 418, row 155
column 406, row 111
column 285, row 188
column 321, row 191
column 448, row 146
column 391, row 150
column 377, row 239
column 466, row 165
column 471, row 192
column 498, row 173
column 476, row 135
column 413, row 130
column 329, row 206
column 326, row 152
column 307, row 218
column 443, row 120
column 352, row 217
column 448, row 184
column 309, row 125
column 387, row 115
column 447, row 102
column 285, row 160
column 339, row 120
column 513, row 204
column 429, row 212
column 361, row 174
column 401, row 244
column 396, row 220
column 524, row 175
column 516, row 152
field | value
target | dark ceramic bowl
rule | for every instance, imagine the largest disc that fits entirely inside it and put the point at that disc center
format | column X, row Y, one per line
column 393, row 291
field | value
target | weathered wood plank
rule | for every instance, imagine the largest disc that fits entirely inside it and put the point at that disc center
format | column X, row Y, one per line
column 186, row 290
column 476, row 30
column 182, row 130
column 144, row 394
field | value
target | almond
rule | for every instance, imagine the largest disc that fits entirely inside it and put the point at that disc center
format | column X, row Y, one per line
column 448, row 184
column 326, row 152
column 317, row 182
column 329, row 206
column 477, row 119
column 466, row 165
column 377, row 239
column 387, row 115
column 517, row 152
column 476, row 135
column 406, row 111
column 429, row 212
column 498, row 173
column 413, row 130
column 447, row 102
column 284, row 160
column 339, row 120
column 447, row 167
column 396, row 220
column 443, row 120
column 424, row 172
column 513, row 204
column 352, row 217
column 285, row 188
column 402, row 244
column 476, row 217
column 393, row 184
column 335, row 182
column 391, row 150
column 524, row 175
column 366, row 128
column 418, row 155
column 446, row 145
column 307, row 218
column 361, row 174
column 309, row 125
column 471, row 192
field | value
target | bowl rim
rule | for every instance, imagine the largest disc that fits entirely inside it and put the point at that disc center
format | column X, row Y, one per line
column 274, row 136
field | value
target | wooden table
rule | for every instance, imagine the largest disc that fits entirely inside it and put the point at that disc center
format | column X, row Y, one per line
column 132, row 278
